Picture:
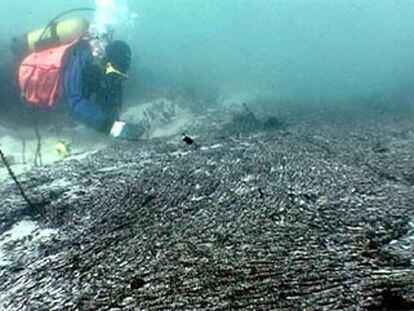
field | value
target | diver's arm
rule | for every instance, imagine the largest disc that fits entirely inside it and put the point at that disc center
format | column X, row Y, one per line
column 80, row 106
column 90, row 113
column 85, row 110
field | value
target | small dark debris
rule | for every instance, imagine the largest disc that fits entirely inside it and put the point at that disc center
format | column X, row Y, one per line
column 188, row 140
column 137, row 283
column 380, row 148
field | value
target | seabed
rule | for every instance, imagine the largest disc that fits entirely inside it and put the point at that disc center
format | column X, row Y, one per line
column 315, row 212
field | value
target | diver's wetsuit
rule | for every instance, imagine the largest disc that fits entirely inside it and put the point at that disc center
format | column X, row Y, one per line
column 93, row 97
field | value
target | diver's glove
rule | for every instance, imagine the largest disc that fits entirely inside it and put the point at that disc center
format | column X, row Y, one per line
column 127, row 131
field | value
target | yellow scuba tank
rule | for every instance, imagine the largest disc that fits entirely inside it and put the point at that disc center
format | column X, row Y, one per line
column 58, row 33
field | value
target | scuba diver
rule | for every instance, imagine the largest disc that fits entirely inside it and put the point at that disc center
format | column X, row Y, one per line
column 69, row 62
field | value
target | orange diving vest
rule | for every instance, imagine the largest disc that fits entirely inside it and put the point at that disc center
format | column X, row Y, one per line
column 39, row 76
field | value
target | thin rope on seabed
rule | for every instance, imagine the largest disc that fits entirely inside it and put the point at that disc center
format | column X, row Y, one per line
column 13, row 176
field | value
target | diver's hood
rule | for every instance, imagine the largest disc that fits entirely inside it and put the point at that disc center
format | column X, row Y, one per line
column 118, row 53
